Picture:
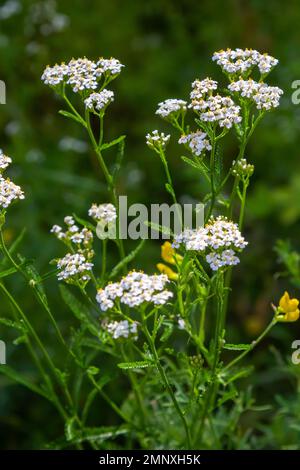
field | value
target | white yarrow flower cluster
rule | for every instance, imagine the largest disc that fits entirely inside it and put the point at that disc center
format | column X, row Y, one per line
column 171, row 107
column 135, row 289
column 111, row 66
column 202, row 87
column 5, row 161
column 82, row 74
column 157, row 140
column 243, row 60
column 55, row 75
column 9, row 191
column 97, row 102
column 196, row 141
column 220, row 109
column 265, row 96
column 73, row 233
column 219, row 241
column 74, row 267
column 121, row 329
column 103, row 212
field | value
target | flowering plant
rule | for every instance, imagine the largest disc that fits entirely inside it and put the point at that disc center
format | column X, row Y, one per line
column 181, row 390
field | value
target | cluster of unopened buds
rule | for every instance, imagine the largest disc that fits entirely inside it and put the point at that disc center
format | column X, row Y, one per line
column 9, row 191
column 242, row 169
column 157, row 140
column 133, row 290
column 219, row 241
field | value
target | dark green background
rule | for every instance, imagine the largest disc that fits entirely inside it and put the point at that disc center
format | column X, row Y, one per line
column 165, row 45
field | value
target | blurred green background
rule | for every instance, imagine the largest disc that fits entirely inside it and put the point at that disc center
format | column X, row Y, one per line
column 165, row 45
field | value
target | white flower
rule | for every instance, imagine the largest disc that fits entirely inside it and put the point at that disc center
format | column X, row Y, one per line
column 265, row 97
column 82, row 238
column 5, row 161
column 69, row 220
column 135, row 289
column 58, row 231
column 55, row 75
column 171, row 107
column 202, row 87
column 121, row 329
column 219, row 241
column 97, row 102
column 157, row 140
column 82, row 73
column 103, row 212
column 220, row 109
column 9, row 192
column 112, row 66
column 243, row 60
column 74, row 267
column 196, row 141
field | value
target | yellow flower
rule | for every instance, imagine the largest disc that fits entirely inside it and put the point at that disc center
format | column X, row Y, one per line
column 168, row 271
column 289, row 307
column 169, row 255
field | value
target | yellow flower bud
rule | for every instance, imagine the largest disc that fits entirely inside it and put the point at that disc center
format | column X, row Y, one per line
column 169, row 255
column 168, row 271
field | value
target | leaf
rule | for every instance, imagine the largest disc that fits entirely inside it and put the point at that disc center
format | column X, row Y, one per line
column 17, row 377
column 135, row 365
column 71, row 116
column 85, row 223
column 69, row 429
column 169, row 189
column 197, row 165
column 14, row 246
column 113, row 142
column 191, row 163
column 98, row 434
column 160, row 228
column 8, row 272
column 17, row 241
column 244, row 372
column 230, row 395
column 20, row 340
column 119, row 159
column 13, row 324
column 130, row 257
column 167, row 333
column 102, row 433
column 80, row 311
column 236, row 347
column 31, row 271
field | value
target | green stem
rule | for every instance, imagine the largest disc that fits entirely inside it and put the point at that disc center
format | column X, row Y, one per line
column 36, row 292
column 252, row 346
column 212, row 177
column 167, row 384
column 35, row 337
